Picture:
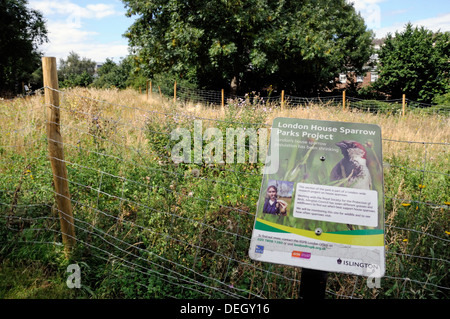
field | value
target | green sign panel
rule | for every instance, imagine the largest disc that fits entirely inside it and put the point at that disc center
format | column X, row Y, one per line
column 321, row 199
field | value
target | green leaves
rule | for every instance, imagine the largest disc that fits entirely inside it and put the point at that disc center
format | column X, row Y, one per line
column 299, row 45
column 22, row 30
column 414, row 62
column 76, row 71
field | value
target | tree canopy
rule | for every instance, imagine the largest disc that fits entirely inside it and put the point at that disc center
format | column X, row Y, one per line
column 415, row 62
column 300, row 46
column 76, row 71
column 118, row 75
column 22, row 30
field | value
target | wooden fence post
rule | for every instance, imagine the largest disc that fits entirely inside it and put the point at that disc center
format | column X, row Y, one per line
column 56, row 153
column 343, row 100
column 403, row 105
column 150, row 89
column 282, row 99
column 313, row 284
column 175, row 92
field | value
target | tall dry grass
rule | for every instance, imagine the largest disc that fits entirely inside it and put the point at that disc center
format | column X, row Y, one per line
column 120, row 118
column 125, row 113
column 412, row 129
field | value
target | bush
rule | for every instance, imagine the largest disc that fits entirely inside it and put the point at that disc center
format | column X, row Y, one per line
column 443, row 99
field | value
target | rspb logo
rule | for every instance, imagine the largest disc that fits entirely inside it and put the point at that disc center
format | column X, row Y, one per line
column 259, row 249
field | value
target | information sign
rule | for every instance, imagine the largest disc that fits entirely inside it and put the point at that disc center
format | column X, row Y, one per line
column 321, row 200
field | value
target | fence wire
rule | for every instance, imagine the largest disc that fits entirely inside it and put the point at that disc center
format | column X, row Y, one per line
column 174, row 230
column 391, row 106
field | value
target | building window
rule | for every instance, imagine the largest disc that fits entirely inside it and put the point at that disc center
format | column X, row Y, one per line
column 373, row 76
column 360, row 79
column 343, row 78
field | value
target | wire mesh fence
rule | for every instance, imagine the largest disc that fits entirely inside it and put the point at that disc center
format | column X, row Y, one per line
column 390, row 106
column 161, row 229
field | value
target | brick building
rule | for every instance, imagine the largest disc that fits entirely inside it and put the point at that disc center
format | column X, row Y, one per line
column 370, row 75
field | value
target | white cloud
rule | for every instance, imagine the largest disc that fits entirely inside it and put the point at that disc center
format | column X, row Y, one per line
column 369, row 10
column 438, row 23
column 101, row 10
column 67, row 32
column 98, row 52
column 358, row 4
column 66, row 37
column 441, row 22
column 68, row 8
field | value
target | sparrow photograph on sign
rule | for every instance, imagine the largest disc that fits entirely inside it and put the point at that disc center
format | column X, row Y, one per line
column 334, row 207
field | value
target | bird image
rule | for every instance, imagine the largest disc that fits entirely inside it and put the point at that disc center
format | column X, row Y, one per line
column 352, row 170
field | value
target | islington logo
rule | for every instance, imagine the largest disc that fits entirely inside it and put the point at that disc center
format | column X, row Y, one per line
column 372, row 270
column 356, row 264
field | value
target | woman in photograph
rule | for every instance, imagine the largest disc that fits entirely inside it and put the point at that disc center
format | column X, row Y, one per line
column 272, row 205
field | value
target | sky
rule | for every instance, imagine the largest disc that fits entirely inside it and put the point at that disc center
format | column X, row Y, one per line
column 94, row 28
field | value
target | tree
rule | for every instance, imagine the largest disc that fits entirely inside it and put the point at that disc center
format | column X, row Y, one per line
column 76, row 71
column 22, row 30
column 414, row 62
column 300, row 46
column 107, row 75
column 117, row 75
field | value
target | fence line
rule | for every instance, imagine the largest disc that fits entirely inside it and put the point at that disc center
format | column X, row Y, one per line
column 218, row 265
column 190, row 116
column 212, row 97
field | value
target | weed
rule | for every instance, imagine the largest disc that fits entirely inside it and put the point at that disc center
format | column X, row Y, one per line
column 148, row 227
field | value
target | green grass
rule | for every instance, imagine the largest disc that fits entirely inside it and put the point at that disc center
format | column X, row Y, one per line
column 146, row 226
column 31, row 280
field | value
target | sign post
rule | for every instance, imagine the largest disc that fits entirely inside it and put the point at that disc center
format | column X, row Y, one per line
column 313, row 284
column 321, row 209
column 56, row 153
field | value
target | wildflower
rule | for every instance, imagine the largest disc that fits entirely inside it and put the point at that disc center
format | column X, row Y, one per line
column 191, row 194
column 447, row 232
column 406, row 204
column 405, row 240
column 447, row 203
column 421, row 186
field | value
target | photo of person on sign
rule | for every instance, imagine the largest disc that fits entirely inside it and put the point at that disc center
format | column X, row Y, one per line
column 272, row 204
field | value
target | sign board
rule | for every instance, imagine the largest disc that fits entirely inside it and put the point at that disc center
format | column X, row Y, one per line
column 321, row 200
